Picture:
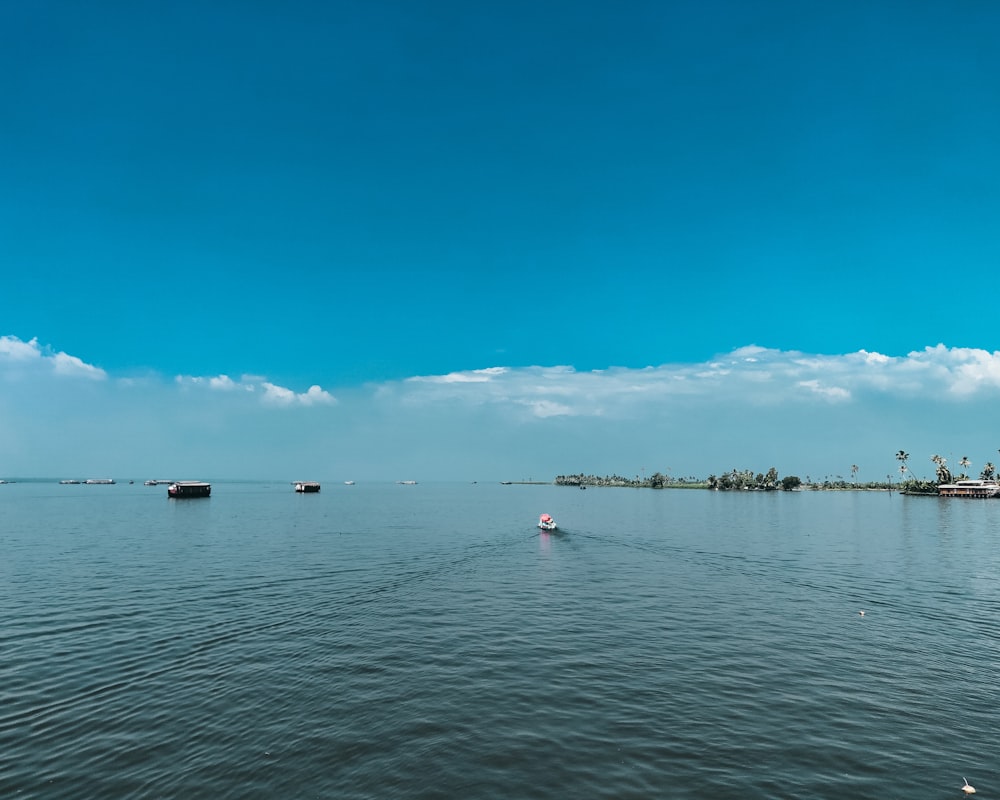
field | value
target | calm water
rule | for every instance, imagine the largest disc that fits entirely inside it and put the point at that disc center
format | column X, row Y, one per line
column 384, row 641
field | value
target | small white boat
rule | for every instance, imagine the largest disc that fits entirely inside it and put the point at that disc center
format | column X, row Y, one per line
column 348, row 483
column 546, row 523
column 307, row 487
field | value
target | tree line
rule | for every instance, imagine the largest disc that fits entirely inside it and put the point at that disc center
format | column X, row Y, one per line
column 746, row 480
column 655, row 481
column 942, row 473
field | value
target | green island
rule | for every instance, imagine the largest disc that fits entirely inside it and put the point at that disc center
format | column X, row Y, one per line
column 746, row 480
column 749, row 480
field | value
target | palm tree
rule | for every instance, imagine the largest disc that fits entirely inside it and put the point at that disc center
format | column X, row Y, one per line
column 854, row 473
column 964, row 464
column 902, row 457
column 942, row 472
column 989, row 471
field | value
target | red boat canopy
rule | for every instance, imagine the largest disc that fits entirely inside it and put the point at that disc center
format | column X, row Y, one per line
column 546, row 518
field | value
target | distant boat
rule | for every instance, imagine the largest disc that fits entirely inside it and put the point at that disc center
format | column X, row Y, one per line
column 307, row 487
column 181, row 489
column 68, row 482
column 150, row 483
column 407, row 483
column 99, row 481
column 546, row 523
column 348, row 483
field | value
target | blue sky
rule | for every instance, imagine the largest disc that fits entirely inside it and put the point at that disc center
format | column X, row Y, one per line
column 496, row 237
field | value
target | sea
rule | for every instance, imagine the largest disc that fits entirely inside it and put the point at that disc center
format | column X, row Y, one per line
column 428, row 641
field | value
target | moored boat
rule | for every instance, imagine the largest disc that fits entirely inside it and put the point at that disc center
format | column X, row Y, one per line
column 99, row 481
column 546, row 523
column 181, row 489
column 981, row 489
column 306, row 487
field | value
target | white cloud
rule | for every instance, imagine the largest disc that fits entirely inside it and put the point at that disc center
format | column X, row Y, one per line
column 277, row 395
column 965, row 370
column 223, row 383
column 751, row 376
column 280, row 396
column 13, row 349
column 754, row 402
column 316, row 396
column 874, row 358
column 71, row 366
column 17, row 355
column 471, row 376
column 748, row 376
column 829, row 392
column 270, row 393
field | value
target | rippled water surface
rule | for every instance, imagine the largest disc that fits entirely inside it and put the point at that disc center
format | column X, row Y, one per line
column 386, row 641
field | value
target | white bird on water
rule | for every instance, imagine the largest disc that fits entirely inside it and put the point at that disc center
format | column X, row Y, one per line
column 968, row 789
column 861, row 613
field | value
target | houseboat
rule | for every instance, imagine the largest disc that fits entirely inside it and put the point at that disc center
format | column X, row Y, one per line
column 181, row 489
column 969, row 489
column 306, row 487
